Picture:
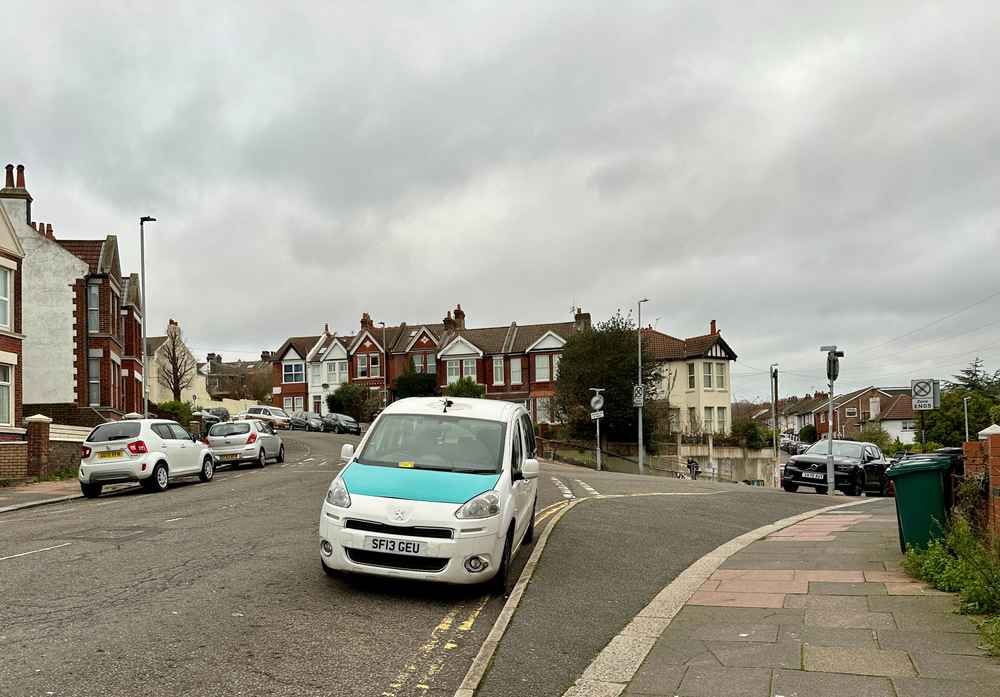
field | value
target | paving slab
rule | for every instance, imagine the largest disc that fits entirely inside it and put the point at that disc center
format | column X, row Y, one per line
column 736, row 632
column 702, row 681
column 951, row 667
column 945, row 604
column 850, row 620
column 933, row 687
column 679, row 651
column 659, row 680
column 829, row 636
column 936, row 642
column 827, row 602
column 797, row 683
column 826, row 588
column 782, row 654
column 934, row 622
column 841, row 659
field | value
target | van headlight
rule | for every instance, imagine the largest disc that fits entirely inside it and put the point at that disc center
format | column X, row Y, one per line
column 338, row 495
column 486, row 505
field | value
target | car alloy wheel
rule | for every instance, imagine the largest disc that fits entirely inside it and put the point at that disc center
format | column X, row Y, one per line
column 261, row 459
column 207, row 470
column 159, row 479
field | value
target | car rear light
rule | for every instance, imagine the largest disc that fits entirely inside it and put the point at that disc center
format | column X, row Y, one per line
column 204, row 439
column 137, row 447
column 84, row 452
column 252, row 439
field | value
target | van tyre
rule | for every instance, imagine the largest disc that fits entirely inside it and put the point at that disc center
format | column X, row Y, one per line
column 529, row 534
column 91, row 491
column 281, row 454
column 207, row 470
column 500, row 584
column 159, row 480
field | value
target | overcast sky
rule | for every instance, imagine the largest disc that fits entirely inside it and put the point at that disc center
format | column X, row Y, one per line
column 802, row 172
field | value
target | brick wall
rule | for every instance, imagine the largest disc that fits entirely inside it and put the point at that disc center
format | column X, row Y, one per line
column 63, row 455
column 70, row 414
column 13, row 460
column 983, row 457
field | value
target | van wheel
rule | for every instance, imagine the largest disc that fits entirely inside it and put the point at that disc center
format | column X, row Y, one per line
column 281, row 454
column 529, row 535
column 207, row 470
column 158, row 480
column 91, row 491
column 500, row 584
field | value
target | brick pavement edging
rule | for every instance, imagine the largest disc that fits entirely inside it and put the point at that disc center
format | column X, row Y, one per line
column 610, row 672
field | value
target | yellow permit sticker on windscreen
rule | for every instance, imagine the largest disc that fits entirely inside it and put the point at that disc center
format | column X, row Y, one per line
column 406, row 464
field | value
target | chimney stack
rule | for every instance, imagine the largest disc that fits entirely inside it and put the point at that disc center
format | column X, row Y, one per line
column 211, row 357
column 459, row 316
column 9, row 181
column 265, row 356
column 48, row 231
column 582, row 320
column 449, row 323
column 326, row 328
column 20, row 177
column 366, row 321
column 713, row 331
column 17, row 197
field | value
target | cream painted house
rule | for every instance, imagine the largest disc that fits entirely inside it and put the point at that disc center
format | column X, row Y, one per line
column 695, row 380
column 156, row 350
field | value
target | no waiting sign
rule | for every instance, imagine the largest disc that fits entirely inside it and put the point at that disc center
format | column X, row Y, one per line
column 926, row 394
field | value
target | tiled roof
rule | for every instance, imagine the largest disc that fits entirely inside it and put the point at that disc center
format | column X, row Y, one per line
column 527, row 334
column 668, row 348
column 900, row 409
column 153, row 343
column 88, row 250
column 302, row 345
column 487, row 339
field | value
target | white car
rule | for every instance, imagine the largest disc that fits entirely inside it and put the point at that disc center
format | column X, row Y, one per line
column 149, row 451
column 276, row 416
column 438, row 490
column 251, row 440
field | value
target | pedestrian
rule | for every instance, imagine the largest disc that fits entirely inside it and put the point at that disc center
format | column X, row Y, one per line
column 693, row 467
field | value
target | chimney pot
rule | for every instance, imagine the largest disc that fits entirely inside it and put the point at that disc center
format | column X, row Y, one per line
column 48, row 231
column 714, row 331
column 20, row 176
column 326, row 328
column 9, row 181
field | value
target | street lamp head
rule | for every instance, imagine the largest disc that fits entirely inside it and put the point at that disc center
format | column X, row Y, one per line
column 828, row 349
column 147, row 219
column 644, row 300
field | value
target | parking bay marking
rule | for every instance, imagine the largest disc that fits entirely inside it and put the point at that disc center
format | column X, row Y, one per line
column 586, row 487
column 35, row 551
column 567, row 493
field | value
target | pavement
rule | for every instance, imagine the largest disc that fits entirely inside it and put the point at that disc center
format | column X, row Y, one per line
column 818, row 609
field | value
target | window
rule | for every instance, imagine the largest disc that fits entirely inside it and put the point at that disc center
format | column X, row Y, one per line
column 690, row 376
column 822, row 417
column 720, row 418
column 94, row 382
column 115, row 430
column 852, row 412
column 498, row 377
column 692, row 419
column 720, row 375
column 709, row 420
column 431, row 365
column 529, row 436
column 162, row 430
column 874, row 407
column 707, row 375
column 373, row 362
column 542, row 368
column 5, row 287
column 516, row 449
column 453, row 372
column 298, row 403
column 469, row 368
column 675, row 419
column 362, row 365
column 555, row 365
column 294, row 372
column 179, row 432
column 6, row 389
column 93, row 308
column 331, row 372
column 544, row 406
column 314, row 374
column 287, row 403
column 116, row 319
column 418, row 363
column 436, row 442
column 515, row 371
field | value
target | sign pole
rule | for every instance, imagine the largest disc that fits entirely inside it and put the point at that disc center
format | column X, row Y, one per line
column 833, row 357
column 598, row 445
column 597, row 403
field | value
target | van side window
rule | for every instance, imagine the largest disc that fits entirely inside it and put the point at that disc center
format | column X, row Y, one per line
column 517, row 450
column 529, row 436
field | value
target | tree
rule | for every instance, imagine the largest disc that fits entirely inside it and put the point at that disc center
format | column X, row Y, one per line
column 465, row 387
column 807, row 434
column 752, row 435
column 976, row 378
column 605, row 356
column 873, row 433
column 354, row 400
column 947, row 424
column 177, row 367
column 413, row 384
column 176, row 410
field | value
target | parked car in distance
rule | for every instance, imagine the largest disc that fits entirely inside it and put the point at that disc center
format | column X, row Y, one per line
column 858, row 467
column 297, row 421
column 438, row 491
column 251, row 440
column 149, row 451
column 221, row 412
column 275, row 415
column 208, row 419
column 306, row 421
column 341, row 423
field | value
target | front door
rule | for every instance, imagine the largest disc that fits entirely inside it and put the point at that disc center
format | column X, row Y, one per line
column 317, row 405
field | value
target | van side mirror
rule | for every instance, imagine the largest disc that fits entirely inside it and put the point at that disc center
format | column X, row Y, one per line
column 347, row 452
column 530, row 469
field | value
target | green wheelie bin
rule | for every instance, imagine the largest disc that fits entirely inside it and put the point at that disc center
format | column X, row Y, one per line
column 920, row 488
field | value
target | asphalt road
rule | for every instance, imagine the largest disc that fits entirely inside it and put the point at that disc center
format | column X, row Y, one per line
column 216, row 589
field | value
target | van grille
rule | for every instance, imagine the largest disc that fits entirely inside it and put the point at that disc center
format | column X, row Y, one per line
column 415, row 531
column 396, row 561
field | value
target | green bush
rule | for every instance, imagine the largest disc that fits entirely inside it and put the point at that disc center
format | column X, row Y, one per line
column 808, row 434
column 873, row 433
column 752, row 435
column 355, row 400
column 990, row 629
column 412, row 384
column 465, row 387
column 178, row 411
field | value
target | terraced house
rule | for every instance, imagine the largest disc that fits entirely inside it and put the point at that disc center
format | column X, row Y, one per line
column 513, row 362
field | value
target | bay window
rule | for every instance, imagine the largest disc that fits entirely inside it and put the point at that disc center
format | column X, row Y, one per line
column 374, row 364
column 6, row 320
column 690, row 376
column 709, row 427
column 720, row 419
column 542, row 368
column 453, row 372
column 469, row 368
column 555, row 365
column 362, row 365
column 6, row 395
column 515, row 371
column 498, row 377
column 707, row 375
column 720, row 376
column 293, row 372
column 418, row 363
column 93, row 308
column 431, row 365
column 288, row 404
column 94, row 382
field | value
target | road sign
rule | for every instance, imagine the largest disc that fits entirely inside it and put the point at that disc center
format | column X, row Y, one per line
column 926, row 394
column 637, row 395
column 595, row 415
column 597, row 402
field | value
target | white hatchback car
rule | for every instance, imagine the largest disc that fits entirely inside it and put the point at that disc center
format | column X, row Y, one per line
column 149, row 451
column 439, row 490
column 250, row 440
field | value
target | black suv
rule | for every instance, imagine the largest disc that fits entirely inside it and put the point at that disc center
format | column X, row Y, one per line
column 858, row 467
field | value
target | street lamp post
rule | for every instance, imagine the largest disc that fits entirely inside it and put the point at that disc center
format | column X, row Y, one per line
column 965, row 409
column 833, row 357
column 145, row 310
column 641, row 391
column 385, row 369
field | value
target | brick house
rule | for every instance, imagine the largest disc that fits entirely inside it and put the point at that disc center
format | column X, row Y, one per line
column 514, row 362
column 854, row 410
column 72, row 302
column 131, row 372
column 236, row 379
column 11, row 338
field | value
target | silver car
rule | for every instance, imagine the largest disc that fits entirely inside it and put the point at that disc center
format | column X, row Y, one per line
column 253, row 441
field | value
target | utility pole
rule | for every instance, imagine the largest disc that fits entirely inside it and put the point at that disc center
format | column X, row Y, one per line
column 145, row 310
column 774, row 416
column 640, row 387
column 833, row 357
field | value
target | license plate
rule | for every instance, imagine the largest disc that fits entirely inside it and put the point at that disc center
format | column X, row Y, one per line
column 228, row 457
column 393, row 546
column 814, row 475
column 110, row 454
